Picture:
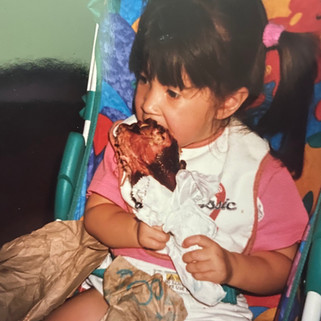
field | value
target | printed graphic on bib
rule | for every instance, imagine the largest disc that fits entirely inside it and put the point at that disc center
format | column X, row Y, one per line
column 220, row 202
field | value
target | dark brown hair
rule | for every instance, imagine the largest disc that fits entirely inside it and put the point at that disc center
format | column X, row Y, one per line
column 218, row 43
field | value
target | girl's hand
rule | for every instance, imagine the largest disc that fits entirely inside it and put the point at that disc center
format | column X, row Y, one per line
column 262, row 273
column 153, row 238
column 210, row 263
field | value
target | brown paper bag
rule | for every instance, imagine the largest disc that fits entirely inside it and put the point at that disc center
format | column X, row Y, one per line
column 134, row 295
column 40, row 270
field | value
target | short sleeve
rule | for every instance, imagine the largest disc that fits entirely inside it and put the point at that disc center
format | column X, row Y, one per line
column 282, row 217
column 105, row 181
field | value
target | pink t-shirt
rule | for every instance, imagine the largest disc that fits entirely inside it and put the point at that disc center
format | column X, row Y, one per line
column 281, row 223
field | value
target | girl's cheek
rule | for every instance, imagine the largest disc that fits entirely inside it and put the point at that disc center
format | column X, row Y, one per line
column 138, row 112
column 138, row 109
column 177, row 135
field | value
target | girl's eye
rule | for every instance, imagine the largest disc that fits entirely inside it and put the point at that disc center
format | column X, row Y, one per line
column 142, row 79
column 172, row 94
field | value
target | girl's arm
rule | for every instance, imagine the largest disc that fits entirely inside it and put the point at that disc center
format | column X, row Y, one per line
column 262, row 273
column 116, row 228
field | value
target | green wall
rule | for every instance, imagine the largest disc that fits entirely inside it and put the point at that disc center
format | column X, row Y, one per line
column 37, row 29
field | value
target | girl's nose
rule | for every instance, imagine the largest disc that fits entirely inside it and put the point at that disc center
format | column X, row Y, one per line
column 153, row 100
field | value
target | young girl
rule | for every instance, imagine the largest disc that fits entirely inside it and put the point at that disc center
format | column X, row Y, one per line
column 199, row 64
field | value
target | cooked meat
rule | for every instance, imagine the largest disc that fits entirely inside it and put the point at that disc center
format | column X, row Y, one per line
column 146, row 148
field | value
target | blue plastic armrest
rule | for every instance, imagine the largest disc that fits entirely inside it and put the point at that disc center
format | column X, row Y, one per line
column 313, row 281
column 68, row 173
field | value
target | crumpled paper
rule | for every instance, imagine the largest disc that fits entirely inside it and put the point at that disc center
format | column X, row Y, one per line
column 134, row 295
column 39, row 271
column 179, row 213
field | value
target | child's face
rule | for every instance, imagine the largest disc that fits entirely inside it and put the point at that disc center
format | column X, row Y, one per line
column 188, row 114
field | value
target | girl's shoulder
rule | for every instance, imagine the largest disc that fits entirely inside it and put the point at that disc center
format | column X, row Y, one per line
column 278, row 192
column 274, row 172
column 282, row 215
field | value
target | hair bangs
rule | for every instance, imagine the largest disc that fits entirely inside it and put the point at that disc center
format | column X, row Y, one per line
column 165, row 64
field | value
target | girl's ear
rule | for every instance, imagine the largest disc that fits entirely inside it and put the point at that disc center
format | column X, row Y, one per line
column 232, row 103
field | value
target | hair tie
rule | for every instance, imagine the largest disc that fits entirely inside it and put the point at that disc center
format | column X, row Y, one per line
column 271, row 34
column 166, row 37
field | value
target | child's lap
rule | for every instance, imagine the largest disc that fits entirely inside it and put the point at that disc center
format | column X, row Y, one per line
column 86, row 306
column 196, row 310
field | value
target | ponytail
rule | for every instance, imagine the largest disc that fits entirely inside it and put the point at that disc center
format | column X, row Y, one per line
column 287, row 116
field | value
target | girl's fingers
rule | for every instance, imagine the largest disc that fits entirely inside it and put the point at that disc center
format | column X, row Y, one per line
column 205, row 271
column 159, row 228
column 205, row 276
column 156, row 232
column 198, row 267
column 151, row 237
column 207, row 248
column 200, row 240
column 193, row 256
column 159, row 234
column 156, row 245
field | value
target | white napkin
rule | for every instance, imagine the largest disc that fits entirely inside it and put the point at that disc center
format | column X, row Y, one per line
column 179, row 213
